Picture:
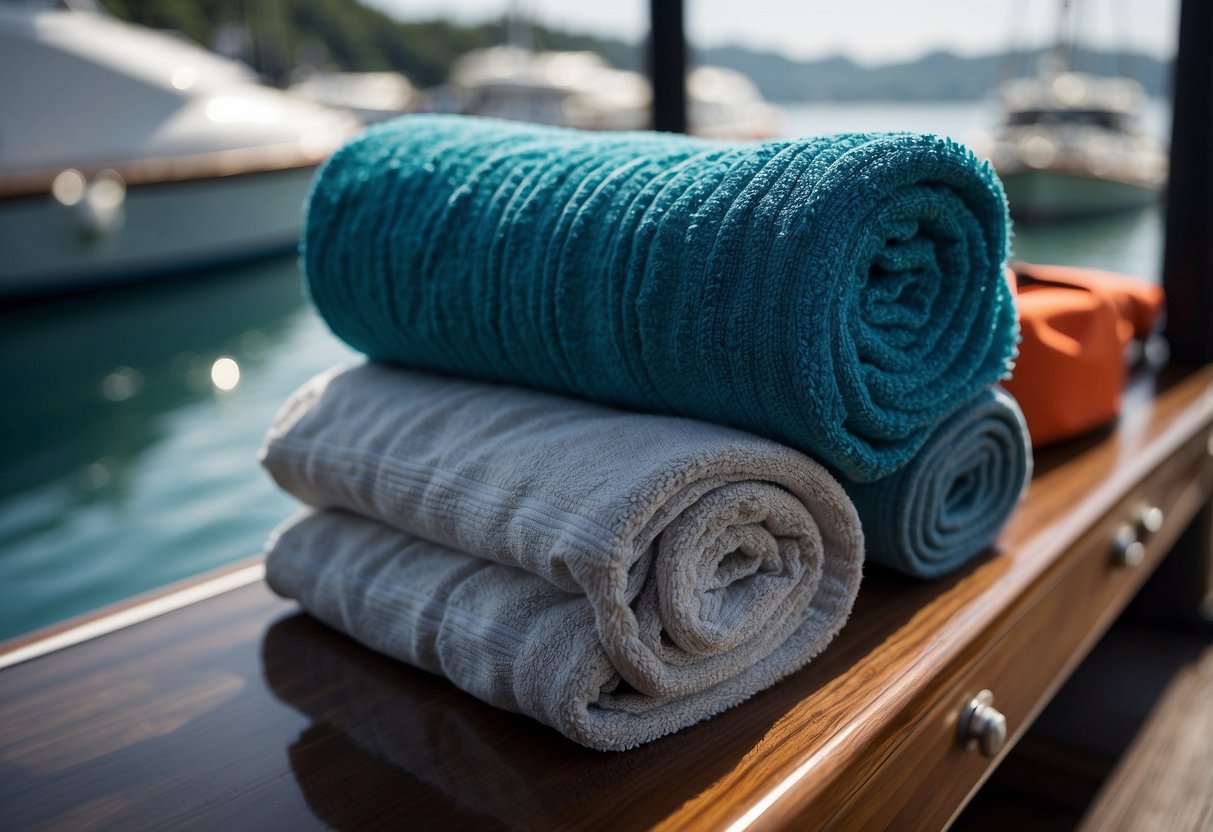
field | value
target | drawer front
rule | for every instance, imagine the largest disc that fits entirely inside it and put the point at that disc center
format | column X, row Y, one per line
column 927, row 775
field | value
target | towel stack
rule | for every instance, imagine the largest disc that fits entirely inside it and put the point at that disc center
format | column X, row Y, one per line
column 772, row 311
column 615, row 575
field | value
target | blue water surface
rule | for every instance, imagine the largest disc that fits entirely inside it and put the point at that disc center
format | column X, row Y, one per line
column 124, row 464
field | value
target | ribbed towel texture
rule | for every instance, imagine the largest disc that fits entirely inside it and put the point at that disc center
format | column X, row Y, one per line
column 842, row 294
column 617, row 576
column 949, row 503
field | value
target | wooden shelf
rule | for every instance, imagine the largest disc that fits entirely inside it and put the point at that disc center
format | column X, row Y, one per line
column 238, row 712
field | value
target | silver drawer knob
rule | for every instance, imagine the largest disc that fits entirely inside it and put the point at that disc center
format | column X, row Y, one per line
column 1127, row 550
column 982, row 726
column 1149, row 520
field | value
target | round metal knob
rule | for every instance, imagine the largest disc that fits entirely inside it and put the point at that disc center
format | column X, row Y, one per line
column 1127, row 550
column 982, row 727
column 1149, row 520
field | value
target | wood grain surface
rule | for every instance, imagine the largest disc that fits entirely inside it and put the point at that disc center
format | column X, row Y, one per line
column 1165, row 780
column 240, row 713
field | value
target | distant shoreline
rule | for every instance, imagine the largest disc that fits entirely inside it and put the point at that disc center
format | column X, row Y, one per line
column 337, row 35
column 1158, row 98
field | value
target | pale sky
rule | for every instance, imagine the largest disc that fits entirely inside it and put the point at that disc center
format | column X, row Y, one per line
column 871, row 31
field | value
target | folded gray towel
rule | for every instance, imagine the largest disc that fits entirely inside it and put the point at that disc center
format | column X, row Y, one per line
column 543, row 551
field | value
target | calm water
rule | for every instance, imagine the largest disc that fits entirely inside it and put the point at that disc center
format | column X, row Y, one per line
column 124, row 466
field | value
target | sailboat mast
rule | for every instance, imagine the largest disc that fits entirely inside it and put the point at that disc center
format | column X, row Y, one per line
column 519, row 27
column 1063, row 43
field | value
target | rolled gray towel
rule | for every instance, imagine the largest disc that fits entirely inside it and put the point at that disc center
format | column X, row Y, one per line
column 617, row 576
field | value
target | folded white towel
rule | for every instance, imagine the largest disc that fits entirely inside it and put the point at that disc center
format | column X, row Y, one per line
column 615, row 575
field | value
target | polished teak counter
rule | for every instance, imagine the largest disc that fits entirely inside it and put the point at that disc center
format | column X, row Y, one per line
column 237, row 712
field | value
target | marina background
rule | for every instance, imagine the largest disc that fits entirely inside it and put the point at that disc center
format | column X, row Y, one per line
column 127, row 465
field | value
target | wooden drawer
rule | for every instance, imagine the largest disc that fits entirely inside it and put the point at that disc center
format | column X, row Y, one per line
column 1026, row 657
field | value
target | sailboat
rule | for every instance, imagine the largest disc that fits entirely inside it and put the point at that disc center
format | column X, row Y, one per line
column 1072, row 144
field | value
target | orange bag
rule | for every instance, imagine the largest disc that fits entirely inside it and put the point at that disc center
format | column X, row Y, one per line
column 1076, row 324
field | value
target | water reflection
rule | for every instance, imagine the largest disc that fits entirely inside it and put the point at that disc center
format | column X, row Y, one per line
column 1129, row 242
column 90, row 378
column 225, row 373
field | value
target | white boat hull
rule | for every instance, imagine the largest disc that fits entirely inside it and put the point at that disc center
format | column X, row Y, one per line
column 1042, row 195
column 165, row 228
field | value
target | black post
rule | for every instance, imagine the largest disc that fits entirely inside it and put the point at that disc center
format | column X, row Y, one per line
column 668, row 65
column 1188, row 277
column 1188, row 264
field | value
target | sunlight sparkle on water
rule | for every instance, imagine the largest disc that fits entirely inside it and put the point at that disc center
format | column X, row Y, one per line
column 225, row 374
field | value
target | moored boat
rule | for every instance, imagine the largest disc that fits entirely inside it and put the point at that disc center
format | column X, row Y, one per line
column 129, row 153
column 580, row 89
column 1072, row 145
column 371, row 96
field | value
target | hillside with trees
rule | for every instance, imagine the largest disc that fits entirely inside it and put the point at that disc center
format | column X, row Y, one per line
column 274, row 36
column 344, row 35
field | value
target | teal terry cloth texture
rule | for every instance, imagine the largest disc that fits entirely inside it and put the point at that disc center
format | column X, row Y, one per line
column 840, row 294
column 949, row 503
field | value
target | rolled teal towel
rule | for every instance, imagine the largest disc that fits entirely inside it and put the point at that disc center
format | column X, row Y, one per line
column 949, row 503
column 840, row 294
